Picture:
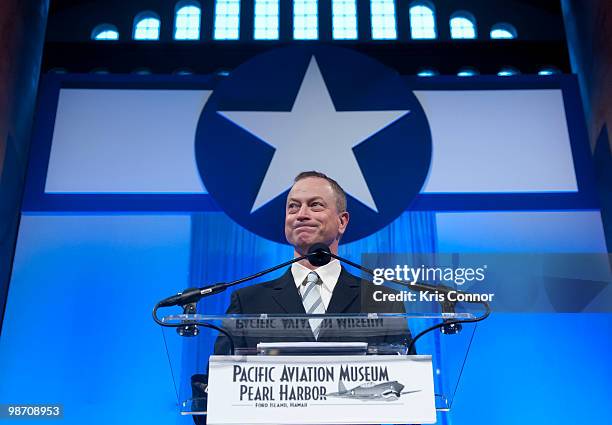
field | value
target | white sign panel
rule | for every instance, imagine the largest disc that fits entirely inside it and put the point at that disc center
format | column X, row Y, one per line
column 498, row 141
column 125, row 141
column 142, row 141
column 320, row 390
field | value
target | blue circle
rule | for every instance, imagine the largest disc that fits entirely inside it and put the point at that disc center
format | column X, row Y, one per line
column 233, row 163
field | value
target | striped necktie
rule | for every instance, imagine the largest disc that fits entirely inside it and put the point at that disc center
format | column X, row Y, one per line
column 313, row 303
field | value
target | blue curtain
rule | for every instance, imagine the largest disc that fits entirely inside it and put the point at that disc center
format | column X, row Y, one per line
column 222, row 250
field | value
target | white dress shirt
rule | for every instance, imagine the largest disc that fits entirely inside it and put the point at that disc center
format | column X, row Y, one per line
column 328, row 274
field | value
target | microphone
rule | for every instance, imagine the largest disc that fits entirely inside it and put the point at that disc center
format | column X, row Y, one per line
column 192, row 295
column 319, row 254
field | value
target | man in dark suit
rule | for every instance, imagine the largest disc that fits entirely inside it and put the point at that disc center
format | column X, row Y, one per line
column 315, row 213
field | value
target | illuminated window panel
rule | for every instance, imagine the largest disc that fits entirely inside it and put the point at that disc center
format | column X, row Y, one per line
column 266, row 20
column 463, row 26
column 105, row 32
column 344, row 19
column 508, row 71
column 305, row 20
column 146, row 27
column 227, row 20
column 187, row 22
column 427, row 73
column 422, row 21
column 467, row 72
column 383, row 20
column 549, row 70
column 503, row 31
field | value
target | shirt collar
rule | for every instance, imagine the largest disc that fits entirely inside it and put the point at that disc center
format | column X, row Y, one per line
column 328, row 273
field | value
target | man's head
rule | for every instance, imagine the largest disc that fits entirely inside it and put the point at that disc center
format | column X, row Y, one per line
column 315, row 212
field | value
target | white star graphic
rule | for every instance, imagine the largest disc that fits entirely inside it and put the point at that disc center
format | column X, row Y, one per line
column 313, row 136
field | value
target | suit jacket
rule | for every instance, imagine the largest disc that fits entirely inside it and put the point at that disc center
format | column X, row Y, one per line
column 281, row 296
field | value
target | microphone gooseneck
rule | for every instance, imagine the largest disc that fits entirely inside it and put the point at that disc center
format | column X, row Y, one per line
column 319, row 254
column 448, row 326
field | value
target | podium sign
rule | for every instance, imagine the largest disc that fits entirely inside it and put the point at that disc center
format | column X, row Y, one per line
column 320, row 390
column 266, row 339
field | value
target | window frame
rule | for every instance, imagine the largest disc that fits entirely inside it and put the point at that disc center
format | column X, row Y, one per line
column 344, row 18
column 318, row 27
column 100, row 28
column 265, row 17
column 177, row 8
column 217, row 16
column 383, row 29
column 503, row 26
column 147, row 14
column 468, row 16
column 432, row 8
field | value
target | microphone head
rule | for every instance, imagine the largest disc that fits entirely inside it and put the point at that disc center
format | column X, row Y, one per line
column 319, row 254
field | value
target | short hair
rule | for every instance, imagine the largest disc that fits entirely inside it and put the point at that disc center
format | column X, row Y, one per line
column 338, row 191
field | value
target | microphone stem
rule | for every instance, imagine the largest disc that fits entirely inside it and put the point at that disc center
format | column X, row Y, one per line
column 264, row 272
column 418, row 287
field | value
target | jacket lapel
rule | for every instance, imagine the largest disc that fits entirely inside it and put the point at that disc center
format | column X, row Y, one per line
column 345, row 298
column 286, row 295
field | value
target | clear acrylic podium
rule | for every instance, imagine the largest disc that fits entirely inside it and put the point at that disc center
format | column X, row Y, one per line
column 190, row 345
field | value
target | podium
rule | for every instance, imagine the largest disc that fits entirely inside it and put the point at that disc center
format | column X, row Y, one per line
column 354, row 338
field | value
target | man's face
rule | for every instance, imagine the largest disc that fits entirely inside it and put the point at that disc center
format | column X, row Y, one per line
column 312, row 215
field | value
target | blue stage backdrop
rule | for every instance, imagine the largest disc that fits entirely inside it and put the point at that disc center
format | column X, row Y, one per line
column 121, row 211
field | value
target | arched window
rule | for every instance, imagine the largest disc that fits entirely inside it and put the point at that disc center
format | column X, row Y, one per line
column 266, row 20
column 467, row 71
column 305, row 20
column 549, row 70
column 383, row 20
column 422, row 20
column 105, row 32
column 344, row 19
column 463, row 25
column 503, row 31
column 508, row 71
column 187, row 20
column 227, row 19
column 146, row 26
column 427, row 72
